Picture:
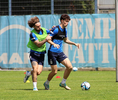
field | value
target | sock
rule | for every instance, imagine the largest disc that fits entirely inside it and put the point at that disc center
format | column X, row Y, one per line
column 63, row 81
column 29, row 73
column 47, row 82
column 35, row 84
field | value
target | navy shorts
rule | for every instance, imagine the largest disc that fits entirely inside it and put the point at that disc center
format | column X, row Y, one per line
column 53, row 57
column 39, row 58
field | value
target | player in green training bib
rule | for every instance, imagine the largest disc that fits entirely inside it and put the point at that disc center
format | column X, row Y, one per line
column 37, row 44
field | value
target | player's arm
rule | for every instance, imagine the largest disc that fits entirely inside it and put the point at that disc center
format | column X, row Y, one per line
column 66, row 40
column 37, row 42
column 52, row 43
column 52, row 34
column 49, row 41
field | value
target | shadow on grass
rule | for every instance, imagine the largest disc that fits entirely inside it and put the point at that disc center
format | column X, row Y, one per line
column 26, row 89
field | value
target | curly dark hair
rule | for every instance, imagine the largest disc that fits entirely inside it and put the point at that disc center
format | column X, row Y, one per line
column 33, row 21
column 64, row 16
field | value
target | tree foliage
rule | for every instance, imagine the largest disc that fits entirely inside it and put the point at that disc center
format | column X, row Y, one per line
column 74, row 6
column 34, row 7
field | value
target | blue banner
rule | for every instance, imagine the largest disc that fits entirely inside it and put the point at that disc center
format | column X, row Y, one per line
column 95, row 33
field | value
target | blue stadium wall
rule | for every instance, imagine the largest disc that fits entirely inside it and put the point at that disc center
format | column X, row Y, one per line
column 95, row 33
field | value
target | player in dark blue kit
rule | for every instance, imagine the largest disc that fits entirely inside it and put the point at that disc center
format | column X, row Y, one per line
column 55, row 52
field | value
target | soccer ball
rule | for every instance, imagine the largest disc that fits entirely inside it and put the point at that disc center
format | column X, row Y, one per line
column 85, row 86
column 75, row 69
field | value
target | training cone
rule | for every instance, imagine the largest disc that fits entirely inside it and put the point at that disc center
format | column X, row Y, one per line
column 27, row 81
column 58, row 77
column 24, row 72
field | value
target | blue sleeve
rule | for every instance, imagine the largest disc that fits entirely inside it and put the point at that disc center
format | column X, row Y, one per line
column 33, row 37
column 54, row 32
column 48, row 31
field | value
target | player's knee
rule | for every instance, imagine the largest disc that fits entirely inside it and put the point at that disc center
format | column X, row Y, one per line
column 38, row 73
column 70, row 68
column 54, row 72
column 34, row 70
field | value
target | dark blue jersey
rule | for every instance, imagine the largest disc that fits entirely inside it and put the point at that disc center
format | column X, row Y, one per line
column 57, row 37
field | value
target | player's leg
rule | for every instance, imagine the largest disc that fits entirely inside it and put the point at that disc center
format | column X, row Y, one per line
column 40, row 64
column 34, row 74
column 52, row 62
column 50, row 76
column 28, row 73
column 53, row 72
column 40, row 68
column 37, row 69
column 66, row 62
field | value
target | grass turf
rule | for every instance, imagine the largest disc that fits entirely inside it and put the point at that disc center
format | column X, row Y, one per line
column 103, row 86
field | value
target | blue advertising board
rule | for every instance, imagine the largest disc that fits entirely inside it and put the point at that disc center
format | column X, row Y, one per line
column 94, row 32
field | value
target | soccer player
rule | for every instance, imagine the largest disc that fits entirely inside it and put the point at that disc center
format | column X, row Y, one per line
column 55, row 52
column 37, row 40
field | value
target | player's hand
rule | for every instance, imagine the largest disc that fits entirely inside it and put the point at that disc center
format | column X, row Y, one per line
column 48, row 37
column 53, row 26
column 56, row 46
column 77, row 45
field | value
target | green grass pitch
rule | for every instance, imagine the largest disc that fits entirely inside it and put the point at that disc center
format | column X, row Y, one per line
column 103, row 86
